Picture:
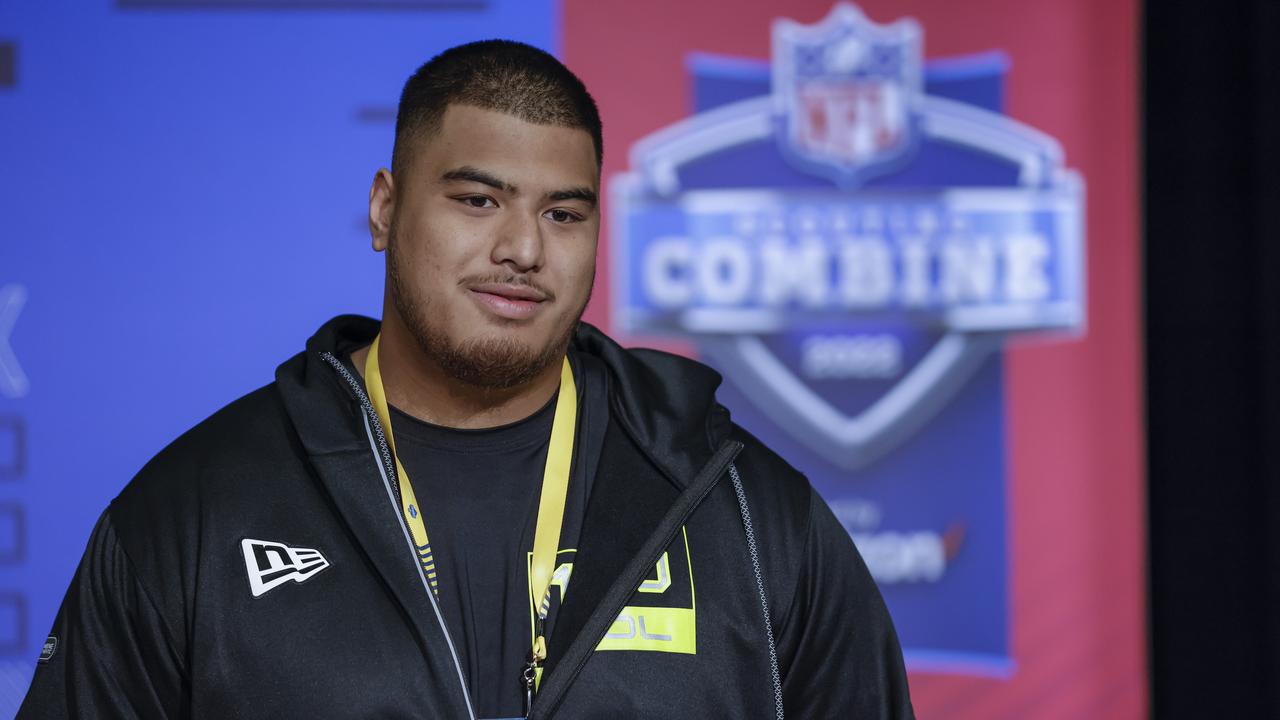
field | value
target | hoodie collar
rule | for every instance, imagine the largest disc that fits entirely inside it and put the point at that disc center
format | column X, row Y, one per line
column 666, row 403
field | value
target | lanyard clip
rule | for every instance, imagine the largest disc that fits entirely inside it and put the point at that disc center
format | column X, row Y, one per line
column 529, row 679
column 533, row 668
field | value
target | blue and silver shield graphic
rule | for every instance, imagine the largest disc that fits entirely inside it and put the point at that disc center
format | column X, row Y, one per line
column 851, row 235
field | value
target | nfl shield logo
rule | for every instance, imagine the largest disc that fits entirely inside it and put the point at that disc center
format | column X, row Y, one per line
column 846, row 94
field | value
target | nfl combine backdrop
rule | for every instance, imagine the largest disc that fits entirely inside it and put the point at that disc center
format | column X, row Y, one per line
column 905, row 233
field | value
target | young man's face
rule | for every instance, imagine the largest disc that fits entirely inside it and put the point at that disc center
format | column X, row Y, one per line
column 491, row 243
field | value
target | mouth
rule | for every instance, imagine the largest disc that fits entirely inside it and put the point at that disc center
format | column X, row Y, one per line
column 508, row 301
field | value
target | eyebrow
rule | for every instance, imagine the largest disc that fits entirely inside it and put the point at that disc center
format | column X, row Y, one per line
column 586, row 195
column 467, row 173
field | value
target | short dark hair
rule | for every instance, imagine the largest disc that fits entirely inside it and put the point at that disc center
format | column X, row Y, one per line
column 501, row 75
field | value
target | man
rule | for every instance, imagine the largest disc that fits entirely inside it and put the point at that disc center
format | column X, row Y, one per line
column 481, row 507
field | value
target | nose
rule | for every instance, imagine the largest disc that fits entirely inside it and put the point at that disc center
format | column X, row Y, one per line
column 519, row 243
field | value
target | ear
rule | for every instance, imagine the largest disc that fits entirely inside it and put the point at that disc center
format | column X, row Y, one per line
column 382, row 208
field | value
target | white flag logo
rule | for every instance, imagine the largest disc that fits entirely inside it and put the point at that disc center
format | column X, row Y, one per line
column 271, row 564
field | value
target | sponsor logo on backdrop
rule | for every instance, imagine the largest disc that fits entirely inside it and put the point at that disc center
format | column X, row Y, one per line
column 8, row 65
column 851, row 234
column 13, row 381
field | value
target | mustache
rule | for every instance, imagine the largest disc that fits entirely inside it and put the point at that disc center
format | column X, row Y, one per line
column 507, row 279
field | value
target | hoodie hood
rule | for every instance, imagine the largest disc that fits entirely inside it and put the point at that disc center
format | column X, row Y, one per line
column 665, row 402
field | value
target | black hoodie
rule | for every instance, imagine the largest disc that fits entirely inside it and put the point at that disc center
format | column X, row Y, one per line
column 770, row 606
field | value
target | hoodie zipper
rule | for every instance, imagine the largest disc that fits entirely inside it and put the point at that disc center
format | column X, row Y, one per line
column 386, row 468
column 703, row 482
column 749, row 528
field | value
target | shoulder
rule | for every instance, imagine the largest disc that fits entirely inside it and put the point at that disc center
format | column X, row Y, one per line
column 652, row 381
column 780, row 504
column 251, row 430
column 782, row 490
column 209, row 476
column 219, row 463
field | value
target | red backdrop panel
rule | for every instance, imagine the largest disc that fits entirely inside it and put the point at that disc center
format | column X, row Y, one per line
column 1076, row 499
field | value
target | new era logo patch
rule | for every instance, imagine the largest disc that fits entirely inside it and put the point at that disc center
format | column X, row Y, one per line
column 50, row 647
column 271, row 564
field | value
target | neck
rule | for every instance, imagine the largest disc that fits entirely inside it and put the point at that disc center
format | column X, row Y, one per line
column 416, row 385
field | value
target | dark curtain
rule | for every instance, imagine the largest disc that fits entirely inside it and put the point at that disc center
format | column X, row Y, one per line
column 1212, row 260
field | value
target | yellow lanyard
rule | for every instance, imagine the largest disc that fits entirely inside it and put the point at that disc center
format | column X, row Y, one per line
column 555, row 488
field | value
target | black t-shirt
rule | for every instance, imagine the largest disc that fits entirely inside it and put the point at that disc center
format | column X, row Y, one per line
column 478, row 491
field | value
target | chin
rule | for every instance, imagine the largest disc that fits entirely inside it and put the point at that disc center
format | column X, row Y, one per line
column 498, row 359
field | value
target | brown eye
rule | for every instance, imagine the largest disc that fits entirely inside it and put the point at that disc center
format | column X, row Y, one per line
column 562, row 216
column 477, row 201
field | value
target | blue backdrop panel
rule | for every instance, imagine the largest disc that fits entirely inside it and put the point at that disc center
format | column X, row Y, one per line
column 182, row 199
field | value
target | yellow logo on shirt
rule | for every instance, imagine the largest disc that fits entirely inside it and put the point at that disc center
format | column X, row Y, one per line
column 668, row 621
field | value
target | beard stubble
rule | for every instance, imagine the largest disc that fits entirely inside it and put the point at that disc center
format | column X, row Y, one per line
column 492, row 363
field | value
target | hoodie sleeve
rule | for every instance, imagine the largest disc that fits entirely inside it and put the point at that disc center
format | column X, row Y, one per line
column 838, row 652
column 110, row 652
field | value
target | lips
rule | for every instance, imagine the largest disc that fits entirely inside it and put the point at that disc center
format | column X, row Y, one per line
column 511, row 302
column 510, row 291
